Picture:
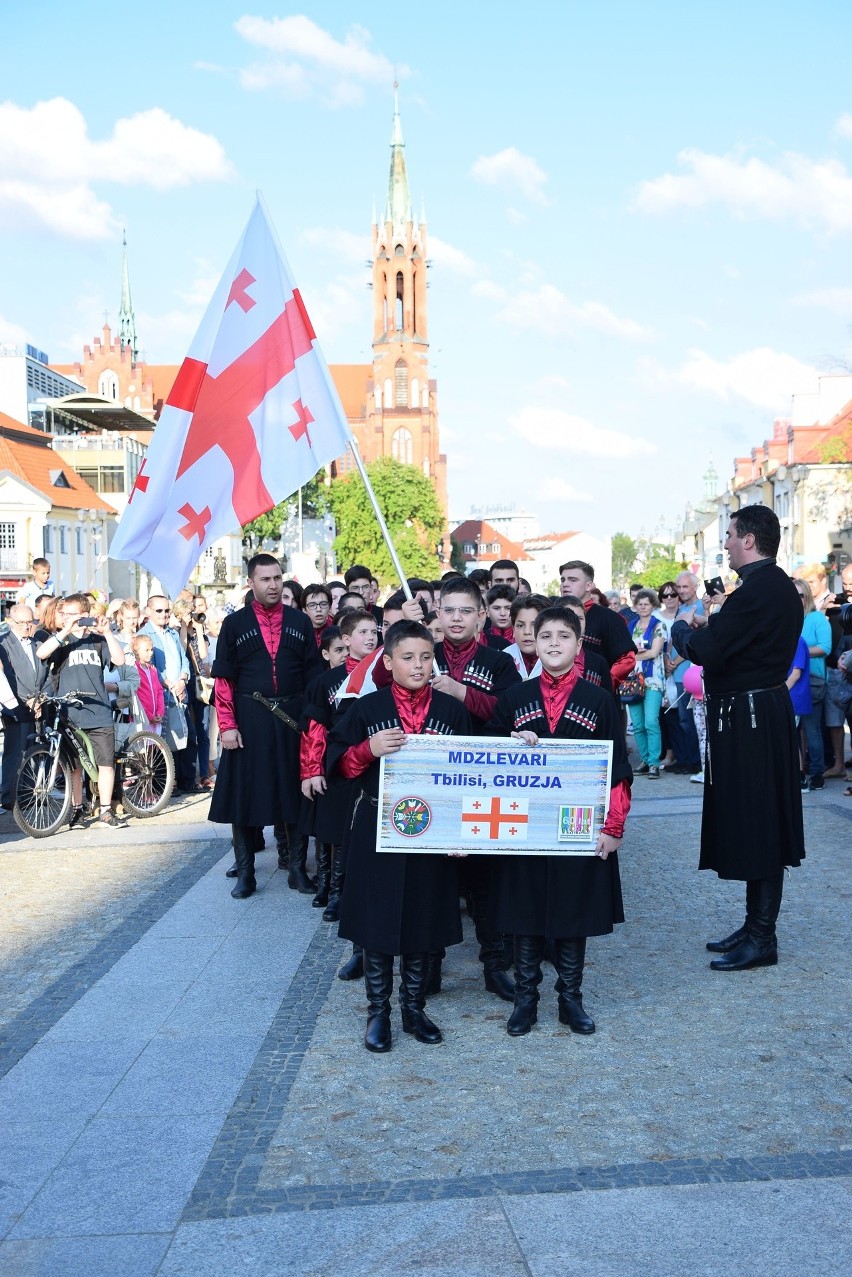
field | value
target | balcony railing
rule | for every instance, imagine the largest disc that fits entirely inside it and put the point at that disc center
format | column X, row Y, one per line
column 13, row 561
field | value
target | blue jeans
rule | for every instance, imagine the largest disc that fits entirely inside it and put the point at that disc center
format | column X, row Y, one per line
column 812, row 725
column 645, row 716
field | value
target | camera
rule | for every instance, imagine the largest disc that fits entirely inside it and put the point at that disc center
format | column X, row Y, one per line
column 199, row 616
column 87, row 622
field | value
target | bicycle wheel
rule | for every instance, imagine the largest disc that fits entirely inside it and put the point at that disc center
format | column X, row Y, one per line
column 41, row 808
column 148, row 774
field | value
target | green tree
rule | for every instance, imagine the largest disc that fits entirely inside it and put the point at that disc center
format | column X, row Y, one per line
column 266, row 528
column 411, row 510
column 624, row 551
column 660, row 566
column 457, row 559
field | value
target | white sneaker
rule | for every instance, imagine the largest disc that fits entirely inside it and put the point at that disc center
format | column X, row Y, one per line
column 698, row 778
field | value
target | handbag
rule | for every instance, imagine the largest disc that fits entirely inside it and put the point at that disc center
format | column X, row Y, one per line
column 632, row 690
column 204, row 688
column 175, row 729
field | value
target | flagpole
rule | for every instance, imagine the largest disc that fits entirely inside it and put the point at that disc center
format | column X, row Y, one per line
column 380, row 518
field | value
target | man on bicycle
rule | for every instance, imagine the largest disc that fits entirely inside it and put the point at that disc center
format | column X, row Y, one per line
column 77, row 656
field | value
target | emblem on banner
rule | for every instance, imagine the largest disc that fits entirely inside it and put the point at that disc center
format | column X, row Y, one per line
column 576, row 824
column 411, row 817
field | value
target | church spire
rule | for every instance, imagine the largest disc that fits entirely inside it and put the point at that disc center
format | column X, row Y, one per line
column 399, row 200
column 126, row 317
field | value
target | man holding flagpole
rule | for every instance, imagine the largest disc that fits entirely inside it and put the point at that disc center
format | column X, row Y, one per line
column 269, row 649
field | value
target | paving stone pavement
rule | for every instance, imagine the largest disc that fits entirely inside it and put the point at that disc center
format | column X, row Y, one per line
column 186, row 1092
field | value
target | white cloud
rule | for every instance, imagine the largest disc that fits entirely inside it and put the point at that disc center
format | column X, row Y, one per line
column 837, row 299
column 305, row 60
column 843, row 125
column 516, row 217
column 810, row 192
column 344, row 244
column 489, row 291
column 554, row 428
column 12, row 334
column 560, row 490
column 513, row 171
column 764, row 377
column 451, row 258
column 48, row 163
column 549, row 311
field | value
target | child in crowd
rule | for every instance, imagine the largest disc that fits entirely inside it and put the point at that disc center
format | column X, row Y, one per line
column 476, row 676
column 590, row 665
column 400, row 904
column 316, row 604
column 525, row 608
column 433, row 625
column 150, row 691
column 561, row 899
column 498, row 627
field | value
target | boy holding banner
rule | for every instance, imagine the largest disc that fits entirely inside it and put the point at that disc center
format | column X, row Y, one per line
column 562, row 898
column 395, row 903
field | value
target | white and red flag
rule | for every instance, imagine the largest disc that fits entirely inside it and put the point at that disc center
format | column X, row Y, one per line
column 489, row 819
column 252, row 416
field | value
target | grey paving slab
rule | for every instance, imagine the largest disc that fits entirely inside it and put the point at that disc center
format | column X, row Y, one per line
column 136, row 1256
column 67, row 1077
column 796, row 1229
column 123, row 1175
column 439, row 1239
column 185, row 1074
column 30, row 1148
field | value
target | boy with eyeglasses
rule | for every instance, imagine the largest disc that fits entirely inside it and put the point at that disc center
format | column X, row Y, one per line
column 316, row 604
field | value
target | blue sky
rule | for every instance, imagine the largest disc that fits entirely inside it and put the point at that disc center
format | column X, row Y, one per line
column 639, row 217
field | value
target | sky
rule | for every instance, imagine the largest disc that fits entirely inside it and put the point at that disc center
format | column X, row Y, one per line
column 639, row 217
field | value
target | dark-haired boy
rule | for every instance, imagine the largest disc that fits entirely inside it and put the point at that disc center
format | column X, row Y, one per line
column 525, row 608
column 476, row 676
column 588, row 664
column 359, row 580
column 560, row 899
column 316, row 604
column 498, row 628
column 606, row 634
column 395, row 904
column 505, row 572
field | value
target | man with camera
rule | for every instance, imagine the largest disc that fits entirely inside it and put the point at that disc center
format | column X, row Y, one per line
column 751, row 824
column 25, row 676
column 77, row 656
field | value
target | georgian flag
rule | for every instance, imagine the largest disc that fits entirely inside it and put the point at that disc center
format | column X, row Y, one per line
column 360, row 681
column 252, row 416
column 504, row 819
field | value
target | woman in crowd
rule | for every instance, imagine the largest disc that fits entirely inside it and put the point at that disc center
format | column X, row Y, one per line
column 128, row 622
column 667, row 614
column 816, row 631
column 650, row 639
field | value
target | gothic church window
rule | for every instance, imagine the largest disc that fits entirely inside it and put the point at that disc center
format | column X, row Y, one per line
column 388, row 393
column 400, row 290
column 400, row 383
column 402, row 446
column 108, row 385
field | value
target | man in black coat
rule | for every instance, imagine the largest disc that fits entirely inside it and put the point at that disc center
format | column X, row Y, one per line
column 25, row 675
column 267, row 648
column 752, row 820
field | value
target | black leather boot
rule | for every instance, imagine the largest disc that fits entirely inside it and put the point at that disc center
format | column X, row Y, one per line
column 759, row 948
column 246, row 883
column 354, row 968
column 736, row 937
column 413, row 968
column 323, row 850
column 335, row 886
column 293, row 856
column 433, row 973
column 254, row 837
column 570, row 960
column 529, row 952
column 378, row 981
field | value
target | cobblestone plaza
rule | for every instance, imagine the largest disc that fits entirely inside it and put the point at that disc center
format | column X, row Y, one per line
column 184, row 1090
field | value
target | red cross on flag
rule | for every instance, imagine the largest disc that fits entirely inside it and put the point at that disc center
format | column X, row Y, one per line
column 252, row 416
column 492, row 819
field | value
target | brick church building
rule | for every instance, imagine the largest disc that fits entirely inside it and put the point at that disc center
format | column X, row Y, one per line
column 391, row 403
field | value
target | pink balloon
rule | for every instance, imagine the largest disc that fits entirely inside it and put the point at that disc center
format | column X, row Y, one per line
column 692, row 682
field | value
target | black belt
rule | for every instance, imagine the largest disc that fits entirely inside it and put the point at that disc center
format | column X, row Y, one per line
column 749, row 691
column 273, row 704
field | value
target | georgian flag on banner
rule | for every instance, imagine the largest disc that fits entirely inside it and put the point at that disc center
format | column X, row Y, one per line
column 252, row 416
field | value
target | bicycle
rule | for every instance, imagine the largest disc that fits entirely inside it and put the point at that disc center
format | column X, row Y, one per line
column 145, row 770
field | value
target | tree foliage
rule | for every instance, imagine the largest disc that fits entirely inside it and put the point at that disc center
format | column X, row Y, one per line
column 624, row 551
column 457, row 559
column 660, row 566
column 410, row 508
column 267, row 527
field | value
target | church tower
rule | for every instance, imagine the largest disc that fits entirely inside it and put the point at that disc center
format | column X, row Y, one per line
column 402, row 413
column 126, row 316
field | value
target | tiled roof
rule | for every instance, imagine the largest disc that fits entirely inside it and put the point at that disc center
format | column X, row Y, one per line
column 27, row 454
column 477, row 531
column 351, row 381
